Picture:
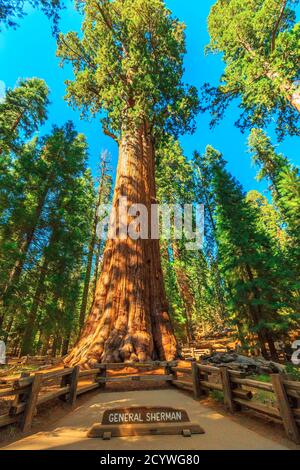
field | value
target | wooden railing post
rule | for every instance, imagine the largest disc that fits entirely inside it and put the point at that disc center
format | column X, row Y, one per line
column 20, row 398
column 31, row 403
column 196, row 377
column 285, row 409
column 101, row 375
column 168, row 369
column 73, row 382
column 227, row 389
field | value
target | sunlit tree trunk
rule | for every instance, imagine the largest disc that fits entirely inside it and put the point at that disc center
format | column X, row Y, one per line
column 186, row 294
column 129, row 319
column 91, row 250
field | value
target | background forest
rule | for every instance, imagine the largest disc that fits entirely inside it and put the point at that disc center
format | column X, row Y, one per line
column 246, row 278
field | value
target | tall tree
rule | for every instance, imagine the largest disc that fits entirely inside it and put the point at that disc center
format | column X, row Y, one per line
column 284, row 184
column 68, row 226
column 283, row 178
column 22, row 111
column 205, row 194
column 104, row 186
column 259, row 40
column 129, row 64
column 38, row 171
column 248, row 261
column 175, row 186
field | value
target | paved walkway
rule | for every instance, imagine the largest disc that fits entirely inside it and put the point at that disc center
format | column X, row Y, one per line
column 221, row 432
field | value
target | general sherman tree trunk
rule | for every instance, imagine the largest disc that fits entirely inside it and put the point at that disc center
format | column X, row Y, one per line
column 129, row 319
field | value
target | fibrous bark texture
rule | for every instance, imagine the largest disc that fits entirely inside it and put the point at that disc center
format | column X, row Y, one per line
column 129, row 319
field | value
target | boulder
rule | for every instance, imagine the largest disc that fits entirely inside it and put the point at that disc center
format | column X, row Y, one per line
column 250, row 365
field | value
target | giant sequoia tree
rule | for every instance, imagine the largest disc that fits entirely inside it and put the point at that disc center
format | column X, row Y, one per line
column 128, row 65
column 259, row 40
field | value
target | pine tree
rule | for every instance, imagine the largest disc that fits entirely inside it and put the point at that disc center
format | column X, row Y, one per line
column 284, row 184
column 22, row 111
column 259, row 40
column 205, row 194
column 39, row 171
column 104, row 189
column 175, row 186
column 248, row 262
column 283, row 178
column 69, row 222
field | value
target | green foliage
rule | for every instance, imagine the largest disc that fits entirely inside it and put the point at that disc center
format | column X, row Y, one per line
column 190, row 280
column 254, row 271
column 174, row 174
column 284, row 180
column 128, row 65
column 217, row 395
column 269, row 219
column 12, row 10
column 284, row 183
column 259, row 41
column 22, row 111
column 293, row 372
column 47, row 200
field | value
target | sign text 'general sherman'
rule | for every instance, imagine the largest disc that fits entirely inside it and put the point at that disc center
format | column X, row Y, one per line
column 144, row 415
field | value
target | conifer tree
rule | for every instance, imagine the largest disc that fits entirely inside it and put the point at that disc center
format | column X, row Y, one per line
column 22, row 111
column 259, row 40
column 248, row 262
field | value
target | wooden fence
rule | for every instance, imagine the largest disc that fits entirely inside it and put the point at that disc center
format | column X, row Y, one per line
column 29, row 392
column 238, row 391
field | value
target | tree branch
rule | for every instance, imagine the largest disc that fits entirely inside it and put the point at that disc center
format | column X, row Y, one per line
column 80, row 57
column 277, row 24
column 110, row 134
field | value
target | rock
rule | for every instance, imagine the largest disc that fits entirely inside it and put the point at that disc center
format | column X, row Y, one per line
column 280, row 368
column 250, row 365
column 246, row 360
column 228, row 358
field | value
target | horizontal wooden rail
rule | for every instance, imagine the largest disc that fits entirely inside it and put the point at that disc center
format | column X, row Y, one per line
column 52, row 395
column 57, row 374
column 137, row 365
column 267, row 387
column 267, row 410
column 183, row 370
column 88, row 373
column 137, row 378
column 86, row 388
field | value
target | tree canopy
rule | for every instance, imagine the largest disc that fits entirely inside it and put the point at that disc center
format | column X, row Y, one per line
column 259, row 42
column 128, row 65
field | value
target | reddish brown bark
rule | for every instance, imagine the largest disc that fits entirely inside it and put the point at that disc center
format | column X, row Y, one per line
column 186, row 294
column 86, row 287
column 129, row 319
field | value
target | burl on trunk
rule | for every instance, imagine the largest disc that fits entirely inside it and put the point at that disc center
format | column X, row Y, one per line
column 129, row 319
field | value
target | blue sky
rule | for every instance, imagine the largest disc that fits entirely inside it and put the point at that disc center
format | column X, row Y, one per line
column 30, row 51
